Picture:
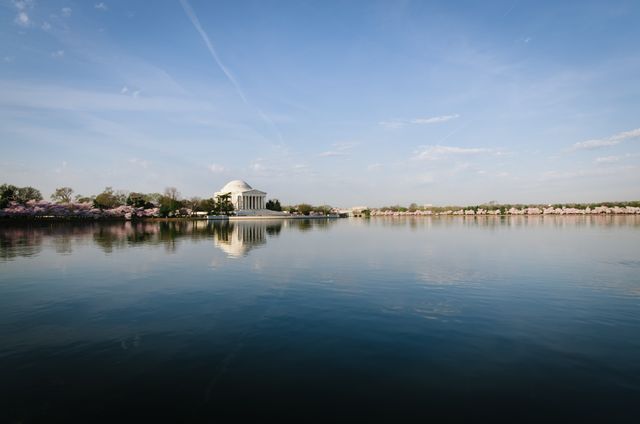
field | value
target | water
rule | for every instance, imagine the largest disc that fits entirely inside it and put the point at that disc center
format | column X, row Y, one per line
column 512, row 319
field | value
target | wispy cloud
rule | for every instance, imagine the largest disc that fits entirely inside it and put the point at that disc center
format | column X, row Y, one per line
column 339, row 149
column 58, row 54
column 56, row 97
column 439, row 152
column 216, row 169
column 139, row 162
column 66, row 12
column 22, row 18
column 614, row 159
column 399, row 123
column 605, row 142
column 101, row 6
column 586, row 173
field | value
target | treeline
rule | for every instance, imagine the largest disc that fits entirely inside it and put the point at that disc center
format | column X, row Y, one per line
column 493, row 206
column 301, row 209
column 168, row 203
column 17, row 201
column 306, row 209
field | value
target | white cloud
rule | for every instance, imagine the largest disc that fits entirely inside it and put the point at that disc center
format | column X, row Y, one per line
column 46, row 26
column 594, row 144
column 124, row 90
column 434, row 119
column 608, row 159
column 613, row 159
column 62, row 168
column 139, row 162
column 339, row 149
column 399, row 123
column 66, row 12
column 57, row 54
column 374, row 167
column 393, row 124
column 22, row 19
column 216, row 169
column 438, row 152
column 606, row 142
column 101, row 6
column 23, row 4
column 330, row 153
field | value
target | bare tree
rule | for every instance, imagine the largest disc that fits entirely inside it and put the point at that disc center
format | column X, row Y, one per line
column 62, row 195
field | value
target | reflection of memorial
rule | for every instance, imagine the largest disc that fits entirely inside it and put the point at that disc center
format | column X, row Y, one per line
column 236, row 239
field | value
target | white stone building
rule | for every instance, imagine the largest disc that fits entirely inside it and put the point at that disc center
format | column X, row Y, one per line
column 244, row 197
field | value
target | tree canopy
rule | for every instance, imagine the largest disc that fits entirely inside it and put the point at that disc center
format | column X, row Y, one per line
column 62, row 195
column 10, row 193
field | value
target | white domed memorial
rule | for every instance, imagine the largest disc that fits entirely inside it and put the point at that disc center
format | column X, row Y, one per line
column 246, row 200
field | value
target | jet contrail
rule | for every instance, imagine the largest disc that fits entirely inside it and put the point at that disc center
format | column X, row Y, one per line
column 232, row 79
column 196, row 23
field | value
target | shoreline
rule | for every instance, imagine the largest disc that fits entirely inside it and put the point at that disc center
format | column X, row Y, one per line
column 16, row 220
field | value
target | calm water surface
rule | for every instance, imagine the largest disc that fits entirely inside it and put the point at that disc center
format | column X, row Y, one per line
column 523, row 319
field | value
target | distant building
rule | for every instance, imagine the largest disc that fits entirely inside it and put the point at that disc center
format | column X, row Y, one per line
column 244, row 197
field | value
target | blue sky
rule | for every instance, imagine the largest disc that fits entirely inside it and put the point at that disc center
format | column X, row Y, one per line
column 344, row 103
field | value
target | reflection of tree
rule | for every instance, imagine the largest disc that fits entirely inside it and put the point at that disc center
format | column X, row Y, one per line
column 274, row 229
column 19, row 241
column 25, row 239
column 304, row 224
column 63, row 244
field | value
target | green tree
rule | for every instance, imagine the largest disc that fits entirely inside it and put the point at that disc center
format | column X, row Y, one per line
column 84, row 199
column 323, row 209
column 153, row 198
column 304, row 208
column 62, row 195
column 207, row 205
column 28, row 193
column 170, row 201
column 137, row 200
column 223, row 204
column 274, row 205
column 106, row 200
column 10, row 193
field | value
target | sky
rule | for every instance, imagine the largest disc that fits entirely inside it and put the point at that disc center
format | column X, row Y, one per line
column 326, row 102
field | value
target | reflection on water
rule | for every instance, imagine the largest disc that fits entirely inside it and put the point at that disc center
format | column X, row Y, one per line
column 526, row 318
column 236, row 238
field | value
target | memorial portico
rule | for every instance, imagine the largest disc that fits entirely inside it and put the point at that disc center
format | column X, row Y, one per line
column 243, row 196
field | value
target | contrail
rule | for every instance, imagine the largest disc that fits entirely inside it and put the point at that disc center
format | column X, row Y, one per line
column 454, row 131
column 196, row 23
column 232, row 79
